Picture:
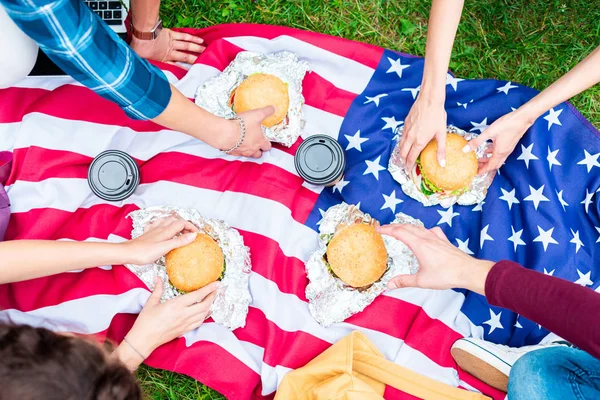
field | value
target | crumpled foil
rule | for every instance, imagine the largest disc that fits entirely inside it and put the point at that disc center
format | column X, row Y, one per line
column 474, row 195
column 330, row 299
column 215, row 93
column 233, row 296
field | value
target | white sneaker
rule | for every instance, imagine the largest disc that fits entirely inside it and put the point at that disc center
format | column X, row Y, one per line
column 489, row 362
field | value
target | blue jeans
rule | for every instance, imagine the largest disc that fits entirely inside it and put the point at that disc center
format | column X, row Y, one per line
column 555, row 373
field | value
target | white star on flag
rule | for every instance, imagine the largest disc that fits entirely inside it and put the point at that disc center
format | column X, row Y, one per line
column 481, row 126
column 552, row 158
column 452, row 81
column 560, row 199
column 517, row 324
column 391, row 123
column 464, row 246
column 590, row 161
column 479, row 206
column 447, row 216
column 509, row 197
column 576, row 240
column 516, row 238
column 391, row 202
column 536, row 196
column 358, row 205
column 484, row 236
column 413, row 91
column 504, row 89
column 552, row 117
column 545, row 237
column 588, row 200
column 494, row 321
column 373, row 167
column 396, row 67
column 551, row 273
column 355, row 141
column 463, row 105
column 584, row 279
column 340, row 185
column 375, row 99
column 527, row 154
column 322, row 215
column 598, row 230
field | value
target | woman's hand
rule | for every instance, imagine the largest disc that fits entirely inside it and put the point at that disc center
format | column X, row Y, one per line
column 159, row 323
column 425, row 121
column 159, row 238
column 255, row 141
column 170, row 47
column 505, row 133
column 441, row 265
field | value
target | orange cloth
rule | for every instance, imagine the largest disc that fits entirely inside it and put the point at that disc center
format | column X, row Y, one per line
column 353, row 369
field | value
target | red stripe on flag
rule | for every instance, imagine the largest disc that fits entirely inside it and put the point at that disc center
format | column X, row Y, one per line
column 363, row 53
column 214, row 174
column 317, row 91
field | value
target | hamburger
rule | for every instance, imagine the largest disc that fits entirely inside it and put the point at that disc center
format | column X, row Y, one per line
column 356, row 255
column 195, row 265
column 429, row 176
column 262, row 90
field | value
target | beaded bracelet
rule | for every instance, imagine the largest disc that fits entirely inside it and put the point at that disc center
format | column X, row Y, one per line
column 242, row 135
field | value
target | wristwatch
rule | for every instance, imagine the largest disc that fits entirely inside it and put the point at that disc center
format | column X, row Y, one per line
column 152, row 35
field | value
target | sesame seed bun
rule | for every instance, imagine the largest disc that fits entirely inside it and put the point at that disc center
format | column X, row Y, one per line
column 460, row 168
column 195, row 265
column 357, row 255
column 262, row 90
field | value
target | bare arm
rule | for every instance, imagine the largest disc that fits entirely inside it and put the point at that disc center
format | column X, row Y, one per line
column 30, row 259
column 508, row 130
column 427, row 118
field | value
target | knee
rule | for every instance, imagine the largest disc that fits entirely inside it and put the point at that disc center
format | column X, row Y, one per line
column 19, row 52
column 533, row 374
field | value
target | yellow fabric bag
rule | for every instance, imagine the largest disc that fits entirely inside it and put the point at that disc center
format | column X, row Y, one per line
column 353, row 369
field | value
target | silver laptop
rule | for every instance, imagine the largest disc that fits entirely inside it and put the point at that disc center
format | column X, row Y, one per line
column 112, row 12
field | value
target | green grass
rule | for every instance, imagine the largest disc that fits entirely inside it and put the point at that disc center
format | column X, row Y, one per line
column 532, row 42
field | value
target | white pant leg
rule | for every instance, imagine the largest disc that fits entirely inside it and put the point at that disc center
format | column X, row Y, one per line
column 18, row 52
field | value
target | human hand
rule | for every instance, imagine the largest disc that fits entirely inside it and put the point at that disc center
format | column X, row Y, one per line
column 441, row 265
column 505, row 133
column 159, row 323
column 255, row 141
column 170, row 47
column 425, row 121
column 158, row 239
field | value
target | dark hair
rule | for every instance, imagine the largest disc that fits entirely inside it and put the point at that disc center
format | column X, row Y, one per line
column 36, row 363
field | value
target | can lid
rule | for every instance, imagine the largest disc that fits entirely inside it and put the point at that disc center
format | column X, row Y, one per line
column 113, row 175
column 320, row 160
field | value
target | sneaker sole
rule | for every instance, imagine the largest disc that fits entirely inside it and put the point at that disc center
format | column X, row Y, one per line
column 480, row 369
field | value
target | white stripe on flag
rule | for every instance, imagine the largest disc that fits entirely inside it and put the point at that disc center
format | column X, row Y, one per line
column 342, row 72
column 240, row 210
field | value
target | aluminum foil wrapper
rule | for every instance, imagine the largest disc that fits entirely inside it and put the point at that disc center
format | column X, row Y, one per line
column 215, row 93
column 473, row 195
column 233, row 297
column 330, row 299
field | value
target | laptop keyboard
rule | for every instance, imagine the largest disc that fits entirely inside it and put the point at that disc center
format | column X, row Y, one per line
column 110, row 11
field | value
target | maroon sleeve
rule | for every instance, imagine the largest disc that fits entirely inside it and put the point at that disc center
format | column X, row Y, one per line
column 564, row 308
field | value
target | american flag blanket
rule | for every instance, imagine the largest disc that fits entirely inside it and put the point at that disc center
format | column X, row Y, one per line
column 541, row 210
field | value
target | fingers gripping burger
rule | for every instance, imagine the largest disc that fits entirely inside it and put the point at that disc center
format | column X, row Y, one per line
column 356, row 254
column 452, row 180
column 195, row 265
column 262, row 90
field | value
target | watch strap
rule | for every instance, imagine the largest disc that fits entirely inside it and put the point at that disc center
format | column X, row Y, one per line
column 152, row 35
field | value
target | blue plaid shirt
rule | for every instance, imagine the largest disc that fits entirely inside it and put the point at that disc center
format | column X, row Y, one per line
column 81, row 44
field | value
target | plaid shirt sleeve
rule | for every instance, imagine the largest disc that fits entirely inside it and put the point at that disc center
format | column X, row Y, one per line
column 81, row 44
